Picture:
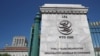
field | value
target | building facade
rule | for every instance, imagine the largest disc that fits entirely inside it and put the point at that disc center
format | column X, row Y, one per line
column 19, row 41
column 19, row 47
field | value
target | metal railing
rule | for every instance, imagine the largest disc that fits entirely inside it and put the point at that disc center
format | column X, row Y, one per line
column 95, row 34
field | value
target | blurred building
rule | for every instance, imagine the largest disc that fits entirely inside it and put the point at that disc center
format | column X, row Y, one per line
column 19, row 41
column 19, row 47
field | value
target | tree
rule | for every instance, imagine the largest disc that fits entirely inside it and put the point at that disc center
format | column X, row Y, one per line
column 5, row 54
column 0, row 55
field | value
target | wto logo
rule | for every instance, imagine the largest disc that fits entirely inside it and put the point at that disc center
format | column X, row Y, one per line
column 65, row 27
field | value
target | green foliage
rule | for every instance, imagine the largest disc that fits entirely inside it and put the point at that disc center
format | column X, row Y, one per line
column 0, row 55
column 5, row 54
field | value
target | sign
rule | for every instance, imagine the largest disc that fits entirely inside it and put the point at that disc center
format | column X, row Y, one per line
column 65, row 35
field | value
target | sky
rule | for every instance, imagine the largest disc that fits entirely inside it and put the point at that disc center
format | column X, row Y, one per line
column 17, row 16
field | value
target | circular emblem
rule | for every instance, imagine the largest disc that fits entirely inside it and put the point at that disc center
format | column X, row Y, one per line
column 64, row 27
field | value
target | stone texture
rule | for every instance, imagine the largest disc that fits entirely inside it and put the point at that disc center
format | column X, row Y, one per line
column 52, row 45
